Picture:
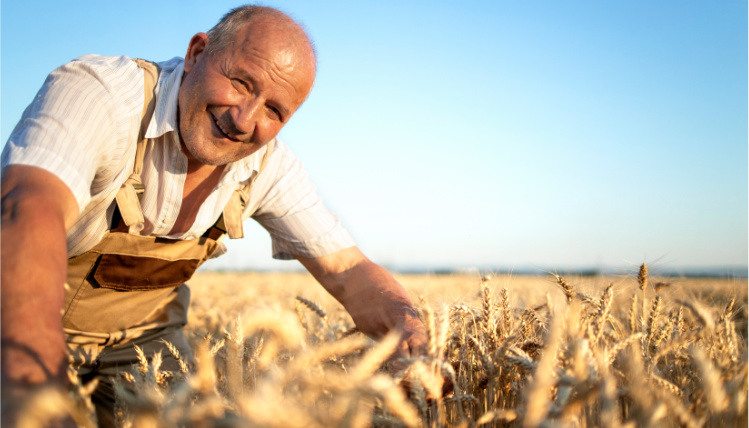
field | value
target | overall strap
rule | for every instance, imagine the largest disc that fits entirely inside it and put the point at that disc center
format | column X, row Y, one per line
column 128, row 197
column 231, row 219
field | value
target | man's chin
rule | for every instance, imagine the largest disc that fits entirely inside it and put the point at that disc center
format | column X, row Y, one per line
column 214, row 154
column 206, row 157
column 212, row 160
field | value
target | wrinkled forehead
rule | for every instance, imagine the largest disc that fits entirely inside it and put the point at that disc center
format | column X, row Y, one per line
column 282, row 40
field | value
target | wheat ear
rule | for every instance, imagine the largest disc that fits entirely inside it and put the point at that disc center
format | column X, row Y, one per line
column 568, row 290
column 313, row 307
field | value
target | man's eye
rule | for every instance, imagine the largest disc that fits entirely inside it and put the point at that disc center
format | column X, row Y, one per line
column 240, row 84
column 274, row 113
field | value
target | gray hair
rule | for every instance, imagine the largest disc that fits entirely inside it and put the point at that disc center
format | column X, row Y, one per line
column 222, row 34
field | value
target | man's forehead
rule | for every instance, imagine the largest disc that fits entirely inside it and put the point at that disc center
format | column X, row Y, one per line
column 282, row 36
column 271, row 47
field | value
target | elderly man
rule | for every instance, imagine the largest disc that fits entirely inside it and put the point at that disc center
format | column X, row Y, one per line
column 123, row 176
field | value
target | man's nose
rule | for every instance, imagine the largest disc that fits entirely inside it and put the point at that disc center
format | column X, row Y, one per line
column 246, row 116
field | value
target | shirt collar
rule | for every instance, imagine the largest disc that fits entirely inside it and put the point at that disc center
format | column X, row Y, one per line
column 164, row 119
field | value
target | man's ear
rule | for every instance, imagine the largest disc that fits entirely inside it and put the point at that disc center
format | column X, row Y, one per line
column 195, row 49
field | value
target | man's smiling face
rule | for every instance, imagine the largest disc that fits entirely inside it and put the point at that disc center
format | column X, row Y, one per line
column 234, row 101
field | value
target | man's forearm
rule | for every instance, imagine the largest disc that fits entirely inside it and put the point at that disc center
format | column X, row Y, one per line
column 34, row 263
column 376, row 301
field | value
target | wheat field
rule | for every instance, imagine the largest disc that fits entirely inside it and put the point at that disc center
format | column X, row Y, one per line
column 274, row 350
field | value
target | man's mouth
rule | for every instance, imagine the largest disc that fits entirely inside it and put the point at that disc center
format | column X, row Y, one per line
column 221, row 128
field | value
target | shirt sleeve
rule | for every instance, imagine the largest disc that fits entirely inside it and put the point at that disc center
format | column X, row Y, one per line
column 73, row 124
column 293, row 213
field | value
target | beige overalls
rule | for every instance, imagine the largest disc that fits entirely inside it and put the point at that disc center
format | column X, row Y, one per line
column 130, row 289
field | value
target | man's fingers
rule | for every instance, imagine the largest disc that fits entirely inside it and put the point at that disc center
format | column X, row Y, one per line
column 414, row 345
column 397, row 362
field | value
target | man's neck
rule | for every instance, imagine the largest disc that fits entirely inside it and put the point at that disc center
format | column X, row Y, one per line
column 200, row 181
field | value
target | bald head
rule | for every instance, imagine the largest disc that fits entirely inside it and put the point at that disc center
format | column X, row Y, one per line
column 260, row 20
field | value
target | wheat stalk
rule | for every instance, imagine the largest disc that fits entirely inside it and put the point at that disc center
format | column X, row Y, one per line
column 183, row 367
column 395, row 400
column 717, row 399
column 603, row 314
column 642, row 281
column 43, row 408
column 662, row 334
column 496, row 416
column 142, row 360
column 538, row 404
column 506, row 316
column 373, row 359
column 700, row 312
column 633, row 315
column 235, row 360
column 314, row 307
column 566, row 288
column 663, row 383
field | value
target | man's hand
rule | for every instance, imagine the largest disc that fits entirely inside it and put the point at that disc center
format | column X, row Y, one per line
column 413, row 344
column 374, row 299
column 37, row 209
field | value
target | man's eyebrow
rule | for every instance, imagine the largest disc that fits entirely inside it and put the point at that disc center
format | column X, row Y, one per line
column 244, row 75
column 285, row 112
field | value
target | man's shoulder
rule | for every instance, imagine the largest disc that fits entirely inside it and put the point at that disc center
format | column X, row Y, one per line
column 102, row 77
column 113, row 80
column 118, row 66
column 105, row 60
column 170, row 64
column 106, row 66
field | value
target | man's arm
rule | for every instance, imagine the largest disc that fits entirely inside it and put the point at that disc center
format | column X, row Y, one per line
column 370, row 294
column 37, row 210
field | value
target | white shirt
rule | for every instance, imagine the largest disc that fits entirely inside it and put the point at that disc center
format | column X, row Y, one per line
column 83, row 127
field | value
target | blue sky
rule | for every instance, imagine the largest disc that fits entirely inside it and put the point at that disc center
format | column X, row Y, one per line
column 519, row 135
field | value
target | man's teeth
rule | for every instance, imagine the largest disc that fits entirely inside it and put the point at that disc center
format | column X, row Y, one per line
column 222, row 129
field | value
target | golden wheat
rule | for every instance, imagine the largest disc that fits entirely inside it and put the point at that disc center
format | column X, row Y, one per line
column 630, row 358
